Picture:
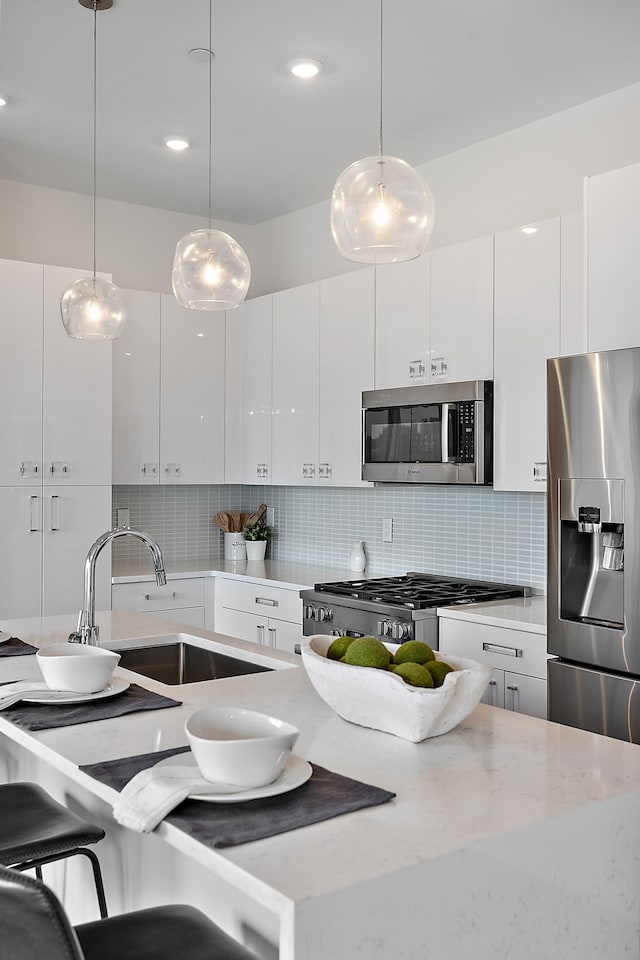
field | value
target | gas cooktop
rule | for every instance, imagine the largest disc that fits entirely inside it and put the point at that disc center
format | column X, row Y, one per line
column 417, row 591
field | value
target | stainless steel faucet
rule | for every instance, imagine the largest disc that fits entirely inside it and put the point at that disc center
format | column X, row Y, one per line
column 87, row 631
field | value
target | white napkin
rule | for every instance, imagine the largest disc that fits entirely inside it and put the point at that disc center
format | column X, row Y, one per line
column 11, row 693
column 153, row 793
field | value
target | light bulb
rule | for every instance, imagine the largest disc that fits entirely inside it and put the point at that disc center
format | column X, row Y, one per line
column 211, row 271
column 93, row 308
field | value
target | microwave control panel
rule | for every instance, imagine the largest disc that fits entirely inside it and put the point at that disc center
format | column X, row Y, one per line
column 466, row 429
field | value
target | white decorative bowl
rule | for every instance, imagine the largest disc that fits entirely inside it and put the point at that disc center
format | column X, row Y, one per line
column 77, row 667
column 383, row 701
column 242, row 747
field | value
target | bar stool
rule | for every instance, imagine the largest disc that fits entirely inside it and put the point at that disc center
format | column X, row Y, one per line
column 35, row 829
column 34, row 925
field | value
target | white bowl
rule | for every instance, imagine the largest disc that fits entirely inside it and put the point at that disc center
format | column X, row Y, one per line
column 242, row 747
column 383, row 701
column 76, row 666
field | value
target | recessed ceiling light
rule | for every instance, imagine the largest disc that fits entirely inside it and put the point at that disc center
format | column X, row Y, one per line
column 176, row 143
column 305, row 68
column 201, row 54
column 529, row 229
column 3, row 101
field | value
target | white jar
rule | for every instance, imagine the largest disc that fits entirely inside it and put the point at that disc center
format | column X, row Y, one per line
column 357, row 560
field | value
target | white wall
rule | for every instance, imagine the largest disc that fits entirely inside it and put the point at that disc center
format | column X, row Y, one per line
column 526, row 174
column 134, row 243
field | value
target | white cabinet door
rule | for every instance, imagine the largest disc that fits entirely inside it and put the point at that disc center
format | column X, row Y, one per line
column 136, row 392
column 402, row 323
column 524, row 694
column 76, row 395
column 462, row 311
column 234, row 385
column 192, row 355
column 257, row 320
column 494, row 695
column 21, row 380
column 21, row 554
column 283, row 635
column 294, row 439
column 526, row 333
column 346, row 369
column 244, row 626
column 612, row 203
column 73, row 517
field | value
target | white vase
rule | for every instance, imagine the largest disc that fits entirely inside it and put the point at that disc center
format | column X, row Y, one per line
column 234, row 547
column 255, row 549
column 357, row 560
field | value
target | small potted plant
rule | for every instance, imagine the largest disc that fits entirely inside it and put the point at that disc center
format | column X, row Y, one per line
column 256, row 536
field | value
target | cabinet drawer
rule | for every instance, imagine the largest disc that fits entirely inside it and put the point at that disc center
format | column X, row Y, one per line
column 148, row 597
column 515, row 650
column 259, row 599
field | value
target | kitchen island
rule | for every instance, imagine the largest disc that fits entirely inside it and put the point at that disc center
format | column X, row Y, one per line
column 508, row 837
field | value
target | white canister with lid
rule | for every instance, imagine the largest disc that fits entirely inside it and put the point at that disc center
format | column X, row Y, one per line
column 357, row 559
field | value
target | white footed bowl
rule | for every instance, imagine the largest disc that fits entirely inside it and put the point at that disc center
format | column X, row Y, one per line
column 380, row 700
column 77, row 667
column 242, row 747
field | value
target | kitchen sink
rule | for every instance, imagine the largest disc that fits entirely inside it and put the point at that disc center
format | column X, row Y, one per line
column 182, row 662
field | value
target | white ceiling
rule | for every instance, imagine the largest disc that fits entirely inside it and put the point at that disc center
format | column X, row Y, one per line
column 454, row 73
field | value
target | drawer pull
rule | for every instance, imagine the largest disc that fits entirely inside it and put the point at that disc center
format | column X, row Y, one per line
column 498, row 648
column 272, row 636
column 161, row 596
column 265, row 601
column 513, row 690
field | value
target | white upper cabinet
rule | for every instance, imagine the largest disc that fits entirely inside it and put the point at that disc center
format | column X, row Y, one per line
column 526, row 333
column 402, row 323
column 257, row 325
column 76, row 395
column 234, row 388
column 295, row 424
column 462, row 311
column 136, row 392
column 168, row 384
column 612, row 204
column 346, row 368
column 21, row 380
column 192, row 358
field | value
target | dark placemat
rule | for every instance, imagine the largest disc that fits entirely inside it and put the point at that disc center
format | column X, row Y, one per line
column 324, row 796
column 44, row 716
column 13, row 647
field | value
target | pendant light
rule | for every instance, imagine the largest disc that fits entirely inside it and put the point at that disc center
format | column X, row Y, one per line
column 93, row 308
column 382, row 211
column 211, row 271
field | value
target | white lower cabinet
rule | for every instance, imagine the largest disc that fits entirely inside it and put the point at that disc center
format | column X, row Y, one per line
column 518, row 658
column 46, row 533
column 258, row 612
column 180, row 600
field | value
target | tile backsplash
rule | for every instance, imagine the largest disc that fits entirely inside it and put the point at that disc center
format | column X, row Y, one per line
column 471, row 532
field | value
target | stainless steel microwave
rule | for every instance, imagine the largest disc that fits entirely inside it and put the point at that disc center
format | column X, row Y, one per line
column 435, row 433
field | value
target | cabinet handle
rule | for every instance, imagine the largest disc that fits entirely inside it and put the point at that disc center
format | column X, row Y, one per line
column 160, row 596
column 33, row 514
column 55, row 513
column 272, row 636
column 260, row 635
column 513, row 690
column 493, row 689
column 265, row 601
column 499, row 648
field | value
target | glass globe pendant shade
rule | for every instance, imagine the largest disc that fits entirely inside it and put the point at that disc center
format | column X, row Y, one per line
column 382, row 211
column 211, row 271
column 93, row 308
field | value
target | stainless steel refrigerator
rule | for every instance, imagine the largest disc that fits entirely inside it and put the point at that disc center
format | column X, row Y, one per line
column 593, row 619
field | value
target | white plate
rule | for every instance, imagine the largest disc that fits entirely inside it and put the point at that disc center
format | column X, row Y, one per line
column 296, row 772
column 113, row 688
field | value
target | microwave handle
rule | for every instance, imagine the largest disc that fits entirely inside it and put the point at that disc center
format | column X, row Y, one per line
column 444, row 436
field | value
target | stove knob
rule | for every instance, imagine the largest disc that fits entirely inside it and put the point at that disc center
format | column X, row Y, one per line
column 309, row 612
column 400, row 631
column 384, row 628
column 325, row 614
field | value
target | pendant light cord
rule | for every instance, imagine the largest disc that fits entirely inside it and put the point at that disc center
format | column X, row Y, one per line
column 95, row 47
column 210, row 109
column 380, row 142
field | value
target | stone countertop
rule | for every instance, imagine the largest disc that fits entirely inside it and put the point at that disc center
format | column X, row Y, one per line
column 528, row 614
column 294, row 575
column 499, row 806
